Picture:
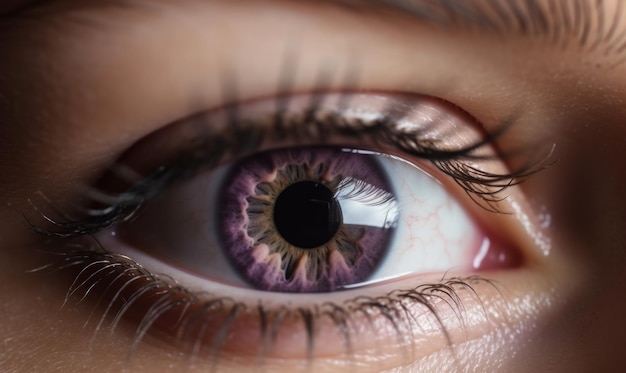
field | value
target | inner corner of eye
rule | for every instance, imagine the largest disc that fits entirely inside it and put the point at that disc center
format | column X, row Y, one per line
column 314, row 219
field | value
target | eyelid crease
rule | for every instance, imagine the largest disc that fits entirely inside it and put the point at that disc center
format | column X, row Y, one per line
column 208, row 151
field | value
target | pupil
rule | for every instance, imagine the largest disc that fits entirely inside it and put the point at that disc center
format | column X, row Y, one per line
column 307, row 215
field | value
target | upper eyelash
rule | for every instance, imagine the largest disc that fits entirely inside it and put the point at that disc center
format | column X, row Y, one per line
column 121, row 273
column 364, row 192
column 484, row 188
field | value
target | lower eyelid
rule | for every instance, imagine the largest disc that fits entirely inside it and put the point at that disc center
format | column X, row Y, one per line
column 462, row 310
column 458, row 311
column 466, row 314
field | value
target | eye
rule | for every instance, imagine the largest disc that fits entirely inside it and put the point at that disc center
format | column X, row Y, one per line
column 309, row 219
column 345, row 195
column 296, row 213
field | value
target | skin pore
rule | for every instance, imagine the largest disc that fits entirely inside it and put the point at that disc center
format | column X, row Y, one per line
column 82, row 82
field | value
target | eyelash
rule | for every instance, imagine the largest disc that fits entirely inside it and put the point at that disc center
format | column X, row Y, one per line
column 97, row 266
column 483, row 187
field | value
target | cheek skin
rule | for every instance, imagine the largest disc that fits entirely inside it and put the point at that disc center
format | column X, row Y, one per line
column 586, row 187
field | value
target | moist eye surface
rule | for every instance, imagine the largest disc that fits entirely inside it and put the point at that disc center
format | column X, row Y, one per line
column 299, row 216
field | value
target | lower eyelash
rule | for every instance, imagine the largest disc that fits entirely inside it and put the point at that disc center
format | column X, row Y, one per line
column 123, row 283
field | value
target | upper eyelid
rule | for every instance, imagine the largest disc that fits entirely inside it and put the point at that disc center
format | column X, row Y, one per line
column 483, row 187
column 106, row 129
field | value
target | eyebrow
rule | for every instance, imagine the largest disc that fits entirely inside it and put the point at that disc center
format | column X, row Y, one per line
column 591, row 25
column 587, row 23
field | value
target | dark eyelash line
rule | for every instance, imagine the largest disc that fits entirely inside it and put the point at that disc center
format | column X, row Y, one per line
column 125, row 285
column 484, row 188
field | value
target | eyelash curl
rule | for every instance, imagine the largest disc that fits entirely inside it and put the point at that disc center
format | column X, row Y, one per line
column 314, row 125
column 129, row 289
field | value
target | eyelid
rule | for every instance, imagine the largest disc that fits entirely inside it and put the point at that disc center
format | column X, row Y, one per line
column 416, row 126
column 131, row 282
column 359, row 112
column 124, row 112
column 187, row 80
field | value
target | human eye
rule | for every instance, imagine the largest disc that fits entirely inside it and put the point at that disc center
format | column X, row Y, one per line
column 324, row 201
column 451, row 226
column 329, row 201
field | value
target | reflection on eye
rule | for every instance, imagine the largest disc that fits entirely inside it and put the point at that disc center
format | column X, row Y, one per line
column 308, row 199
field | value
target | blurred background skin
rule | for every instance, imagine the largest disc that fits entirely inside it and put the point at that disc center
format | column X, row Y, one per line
column 81, row 81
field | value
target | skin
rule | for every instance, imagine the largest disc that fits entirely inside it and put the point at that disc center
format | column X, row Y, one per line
column 79, row 88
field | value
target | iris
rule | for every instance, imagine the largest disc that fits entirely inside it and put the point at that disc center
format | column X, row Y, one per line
column 295, row 220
